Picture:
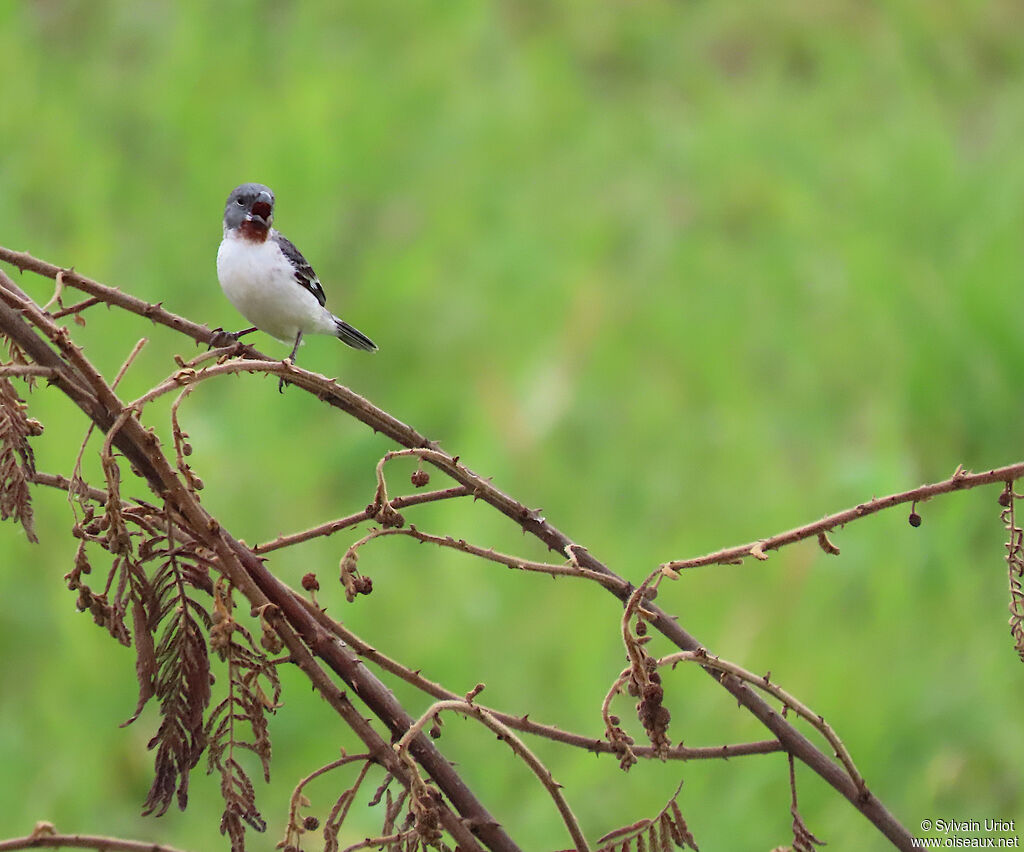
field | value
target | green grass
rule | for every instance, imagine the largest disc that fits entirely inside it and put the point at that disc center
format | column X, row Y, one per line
column 682, row 274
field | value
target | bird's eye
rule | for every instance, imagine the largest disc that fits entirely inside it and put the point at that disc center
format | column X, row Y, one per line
column 240, row 202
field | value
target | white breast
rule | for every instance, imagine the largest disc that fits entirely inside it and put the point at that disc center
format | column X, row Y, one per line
column 260, row 282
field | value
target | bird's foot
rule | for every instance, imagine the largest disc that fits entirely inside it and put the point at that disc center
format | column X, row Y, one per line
column 219, row 337
column 287, row 362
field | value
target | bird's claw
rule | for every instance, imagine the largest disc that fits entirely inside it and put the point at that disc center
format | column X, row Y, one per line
column 287, row 362
column 219, row 337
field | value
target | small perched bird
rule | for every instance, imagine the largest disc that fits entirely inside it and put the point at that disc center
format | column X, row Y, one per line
column 269, row 281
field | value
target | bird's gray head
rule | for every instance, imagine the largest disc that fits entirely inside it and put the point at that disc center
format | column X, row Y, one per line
column 251, row 208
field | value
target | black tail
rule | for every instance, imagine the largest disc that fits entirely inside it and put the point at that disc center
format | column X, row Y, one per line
column 353, row 336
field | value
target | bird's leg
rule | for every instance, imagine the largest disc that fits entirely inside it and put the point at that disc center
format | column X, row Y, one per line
column 290, row 359
column 295, row 348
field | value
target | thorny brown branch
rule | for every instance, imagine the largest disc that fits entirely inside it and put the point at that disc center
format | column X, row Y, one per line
column 803, row 840
column 331, row 527
column 45, row 836
column 959, row 481
column 302, row 630
column 488, row 554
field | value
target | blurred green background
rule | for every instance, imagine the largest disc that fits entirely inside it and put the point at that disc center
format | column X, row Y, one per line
column 683, row 274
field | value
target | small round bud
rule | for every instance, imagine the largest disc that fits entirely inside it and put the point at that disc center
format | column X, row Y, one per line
column 419, row 478
column 311, row 823
column 914, row 519
column 1004, row 499
column 310, row 582
column 186, row 449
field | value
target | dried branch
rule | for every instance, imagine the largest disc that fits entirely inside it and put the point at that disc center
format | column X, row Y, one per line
column 803, row 840
column 961, row 480
column 513, row 562
column 78, row 308
column 331, row 527
column 22, row 370
column 764, row 683
column 108, row 295
column 55, row 480
column 46, row 836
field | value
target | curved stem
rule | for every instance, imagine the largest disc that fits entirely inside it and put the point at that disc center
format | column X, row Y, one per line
column 959, row 481
column 517, row 745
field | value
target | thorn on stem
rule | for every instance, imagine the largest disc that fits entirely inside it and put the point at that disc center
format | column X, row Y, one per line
column 825, row 543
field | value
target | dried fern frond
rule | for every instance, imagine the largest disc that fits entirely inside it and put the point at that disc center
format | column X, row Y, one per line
column 19, row 359
column 182, row 683
column 247, row 705
column 803, row 840
column 666, row 830
column 17, row 464
column 1015, row 565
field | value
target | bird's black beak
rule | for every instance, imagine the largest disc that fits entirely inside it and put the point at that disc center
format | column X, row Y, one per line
column 262, row 209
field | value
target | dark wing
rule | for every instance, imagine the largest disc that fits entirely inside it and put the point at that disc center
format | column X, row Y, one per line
column 304, row 274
